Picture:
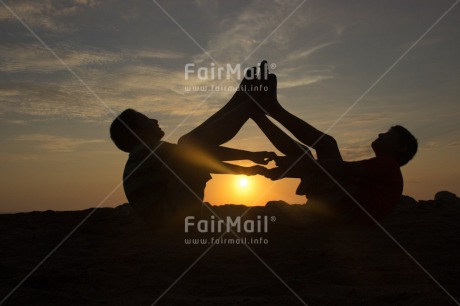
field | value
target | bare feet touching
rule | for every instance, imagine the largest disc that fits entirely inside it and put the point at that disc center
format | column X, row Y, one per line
column 269, row 98
column 243, row 94
column 263, row 93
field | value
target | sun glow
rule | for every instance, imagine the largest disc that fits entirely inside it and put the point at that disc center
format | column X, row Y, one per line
column 226, row 189
column 243, row 182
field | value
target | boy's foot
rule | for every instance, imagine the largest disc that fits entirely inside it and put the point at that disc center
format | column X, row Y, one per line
column 258, row 93
column 269, row 97
column 241, row 95
column 254, row 96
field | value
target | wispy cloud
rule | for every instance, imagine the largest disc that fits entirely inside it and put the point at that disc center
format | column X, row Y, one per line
column 355, row 146
column 357, row 152
column 34, row 58
column 364, row 118
column 129, row 83
column 128, row 77
column 454, row 144
column 41, row 98
column 46, row 15
column 56, row 144
column 152, row 54
column 15, row 122
column 150, row 79
column 240, row 34
column 430, row 145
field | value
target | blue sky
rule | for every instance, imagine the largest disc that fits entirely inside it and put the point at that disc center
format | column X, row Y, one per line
column 55, row 151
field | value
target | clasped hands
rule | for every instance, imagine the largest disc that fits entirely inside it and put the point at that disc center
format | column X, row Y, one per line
column 283, row 164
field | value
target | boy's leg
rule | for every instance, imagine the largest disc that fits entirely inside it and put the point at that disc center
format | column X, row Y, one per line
column 225, row 123
column 325, row 145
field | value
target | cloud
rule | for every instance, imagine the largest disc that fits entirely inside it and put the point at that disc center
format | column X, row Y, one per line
column 129, row 76
column 56, row 144
column 258, row 26
column 149, row 88
column 454, row 143
column 41, row 98
column 356, row 153
column 35, row 58
column 153, row 54
column 22, row 157
column 16, row 122
column 355, row 147
column 304, row 54
column 160, row 90
column 430, row 145
column 48, row 15
column 242, row 32
column 360, row 118
column 150, row 79
column 295, row 77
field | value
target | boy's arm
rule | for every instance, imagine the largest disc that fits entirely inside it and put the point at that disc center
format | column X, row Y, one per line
column 278, row 137
column 334, row 168
column 221, row 153
column 202, row 160
column 324, row 144
column 226, row 168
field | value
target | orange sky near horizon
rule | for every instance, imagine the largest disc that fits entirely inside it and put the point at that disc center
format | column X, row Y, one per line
column 66, row 183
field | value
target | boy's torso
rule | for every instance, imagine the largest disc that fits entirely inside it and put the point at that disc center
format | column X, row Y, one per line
column 155, row 180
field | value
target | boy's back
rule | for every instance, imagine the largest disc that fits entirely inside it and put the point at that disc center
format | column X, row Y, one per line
column 378, row 192
column 161, row 186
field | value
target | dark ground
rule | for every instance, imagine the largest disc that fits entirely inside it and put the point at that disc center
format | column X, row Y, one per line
column 113, row 259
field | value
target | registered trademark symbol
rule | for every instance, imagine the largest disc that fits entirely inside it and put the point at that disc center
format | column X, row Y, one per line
column 272, row 218
column 272, row 66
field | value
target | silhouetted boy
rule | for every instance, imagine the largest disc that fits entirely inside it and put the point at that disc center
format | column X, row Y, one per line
column 334, row 187
column 165, row 182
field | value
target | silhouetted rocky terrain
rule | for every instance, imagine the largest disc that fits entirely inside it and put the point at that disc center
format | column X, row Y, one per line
column 114, row 259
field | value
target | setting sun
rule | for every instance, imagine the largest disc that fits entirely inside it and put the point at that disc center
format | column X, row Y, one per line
column 243, row 182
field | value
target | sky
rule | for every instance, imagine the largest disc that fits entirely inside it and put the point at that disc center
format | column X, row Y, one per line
column 352, row 68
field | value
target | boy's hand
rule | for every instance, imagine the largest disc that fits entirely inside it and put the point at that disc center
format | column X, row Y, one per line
column 274, row 173
column 291, row 166
column 285, row 161
column 254, row 170
column 263, row 157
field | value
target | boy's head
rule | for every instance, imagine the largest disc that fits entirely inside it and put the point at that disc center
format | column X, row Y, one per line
column 398, row 143
column 131, row 128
